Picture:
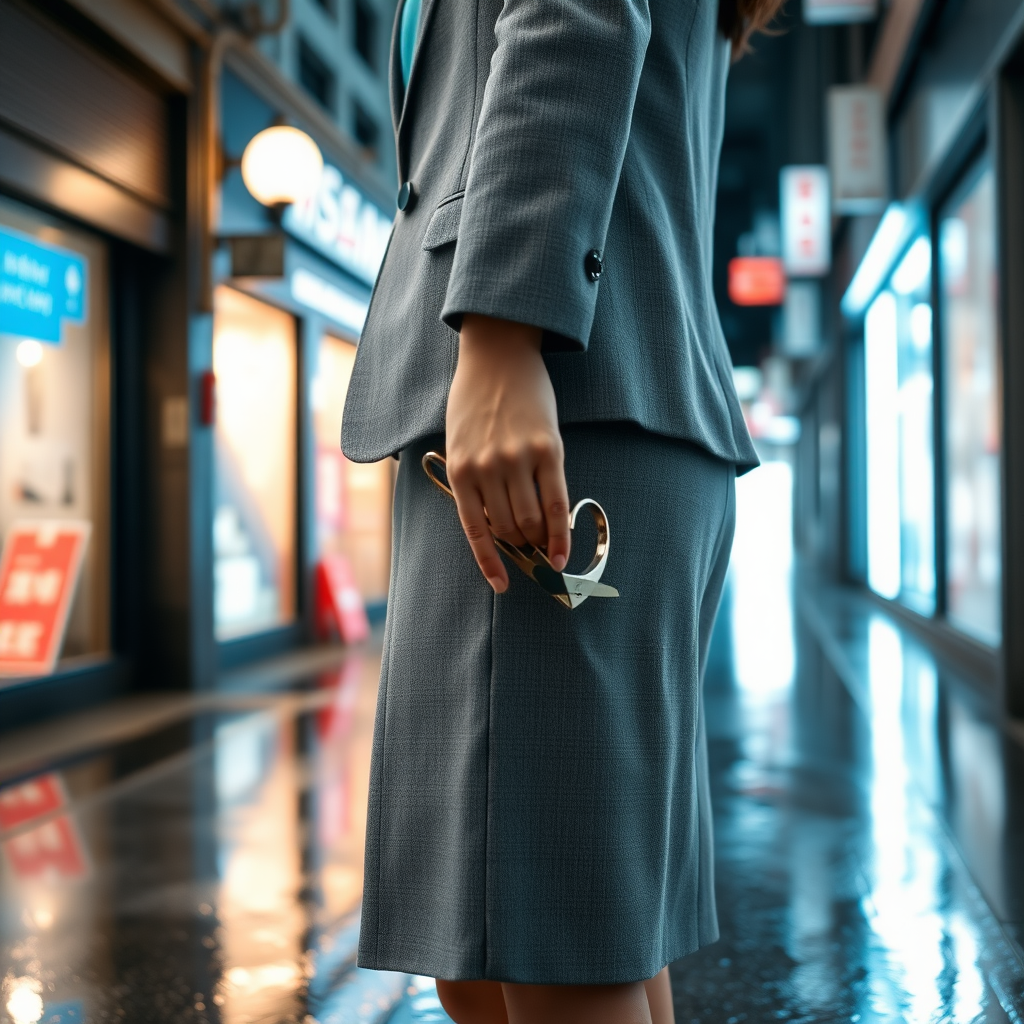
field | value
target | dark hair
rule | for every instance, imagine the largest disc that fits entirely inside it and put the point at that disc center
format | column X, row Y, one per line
column 738, row 20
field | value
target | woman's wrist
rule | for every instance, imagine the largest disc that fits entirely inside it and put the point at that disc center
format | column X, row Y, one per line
column 485, row 334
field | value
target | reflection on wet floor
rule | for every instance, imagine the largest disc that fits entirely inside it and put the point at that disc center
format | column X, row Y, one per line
column 208, row 866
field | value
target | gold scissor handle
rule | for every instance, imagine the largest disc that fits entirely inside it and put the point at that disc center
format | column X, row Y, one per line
column 433, row 461
column 566, row 588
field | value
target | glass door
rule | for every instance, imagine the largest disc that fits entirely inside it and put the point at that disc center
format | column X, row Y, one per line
column 255, row 492
column 54, row 430
column 353, row 500
column 900, row 459
column 972, row 408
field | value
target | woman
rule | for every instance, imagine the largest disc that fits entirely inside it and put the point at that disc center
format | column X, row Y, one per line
column 539, row 829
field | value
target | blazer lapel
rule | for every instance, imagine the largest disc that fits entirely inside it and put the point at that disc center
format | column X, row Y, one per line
column 396, row 89
column 426, row 10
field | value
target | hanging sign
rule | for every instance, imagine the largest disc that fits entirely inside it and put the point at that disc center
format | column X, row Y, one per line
column 801, row 320
column 40, row 287
column 341, row 224
column 38, row 574
column 857, row 158
column 839, row 12
column 806, row 229
column 757, row 281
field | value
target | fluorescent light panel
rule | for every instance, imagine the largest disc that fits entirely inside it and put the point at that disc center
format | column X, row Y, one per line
column 888, row 238
column 914, row 268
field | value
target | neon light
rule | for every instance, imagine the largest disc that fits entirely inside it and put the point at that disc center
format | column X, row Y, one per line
column 876, row 262
column 914, row 268
column 883, row 470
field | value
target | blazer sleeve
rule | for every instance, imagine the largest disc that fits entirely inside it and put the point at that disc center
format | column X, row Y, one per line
column 545, row 164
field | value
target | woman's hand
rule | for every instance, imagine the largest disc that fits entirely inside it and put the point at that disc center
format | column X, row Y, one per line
column 503, row 445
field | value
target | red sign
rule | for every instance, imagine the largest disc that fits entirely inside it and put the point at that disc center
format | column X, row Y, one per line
column 38, row 574
column 757, row 281
column 53, row 848
column 339, row 604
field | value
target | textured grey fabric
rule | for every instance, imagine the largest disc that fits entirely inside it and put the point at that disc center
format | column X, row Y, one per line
column 535, row 131
column 539, row 808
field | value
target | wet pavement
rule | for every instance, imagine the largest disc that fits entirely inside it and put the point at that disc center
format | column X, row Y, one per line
column 206, row 865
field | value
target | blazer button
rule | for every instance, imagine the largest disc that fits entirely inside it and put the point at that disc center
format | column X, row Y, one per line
column 593, row 264
column 406, row 196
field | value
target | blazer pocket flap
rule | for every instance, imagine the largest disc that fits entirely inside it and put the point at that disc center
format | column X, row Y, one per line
column 444, row 224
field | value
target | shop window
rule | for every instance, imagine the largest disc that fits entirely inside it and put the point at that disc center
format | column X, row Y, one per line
column 364, row 32
column 315, row 76
column 972, row 414
column 254, row 549
column 353, row 500
column 900, row 460
column 54, row 425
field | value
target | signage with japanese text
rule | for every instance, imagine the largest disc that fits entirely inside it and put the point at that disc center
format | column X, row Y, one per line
column 40, row 287
column 806, row 228
column 342, row 224
column 856, row 149
column 38, row 573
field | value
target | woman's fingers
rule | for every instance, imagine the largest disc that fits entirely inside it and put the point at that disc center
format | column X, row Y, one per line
column 495, row 488
column 478, row 533
column 519, row 499
column 554, row 500
column 526, row 510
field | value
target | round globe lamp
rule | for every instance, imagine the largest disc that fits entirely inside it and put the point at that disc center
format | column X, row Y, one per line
column 281, row 165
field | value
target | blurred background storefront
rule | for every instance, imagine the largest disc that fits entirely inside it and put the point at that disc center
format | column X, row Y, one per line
column 292, row 287
column 174, row 353
column 90, row 165
column 868, row 241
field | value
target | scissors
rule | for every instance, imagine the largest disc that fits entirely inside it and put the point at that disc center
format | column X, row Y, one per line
column 564, row 587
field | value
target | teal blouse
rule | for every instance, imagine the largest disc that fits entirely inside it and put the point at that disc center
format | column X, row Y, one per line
column 407, row 38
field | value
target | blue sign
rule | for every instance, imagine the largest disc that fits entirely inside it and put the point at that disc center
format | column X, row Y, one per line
column 64, row 1013
column 40, row 286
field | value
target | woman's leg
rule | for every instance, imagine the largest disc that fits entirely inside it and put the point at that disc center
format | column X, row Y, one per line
column 473, row 1002
column 577, row 1004
column 659, row 998
column 484, row 1002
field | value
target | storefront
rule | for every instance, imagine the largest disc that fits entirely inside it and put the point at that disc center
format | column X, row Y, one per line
column 934, row 458
column 87, row 224
column 292, row 291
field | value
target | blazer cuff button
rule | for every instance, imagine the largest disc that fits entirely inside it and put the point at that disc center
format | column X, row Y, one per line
column 406, row 197
column 593, row 264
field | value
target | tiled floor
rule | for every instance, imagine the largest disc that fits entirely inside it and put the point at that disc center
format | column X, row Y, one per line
column 185, row 861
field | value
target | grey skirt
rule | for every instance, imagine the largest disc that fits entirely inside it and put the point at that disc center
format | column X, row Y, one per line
column 539, row 808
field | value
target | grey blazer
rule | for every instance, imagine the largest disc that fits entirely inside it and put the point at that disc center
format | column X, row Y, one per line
column 559, row 158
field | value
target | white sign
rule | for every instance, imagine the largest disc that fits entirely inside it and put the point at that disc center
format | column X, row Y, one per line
column 801, row 320
column 340, row 222
column 839, row 12
column 857, row 154
column 806, row 229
